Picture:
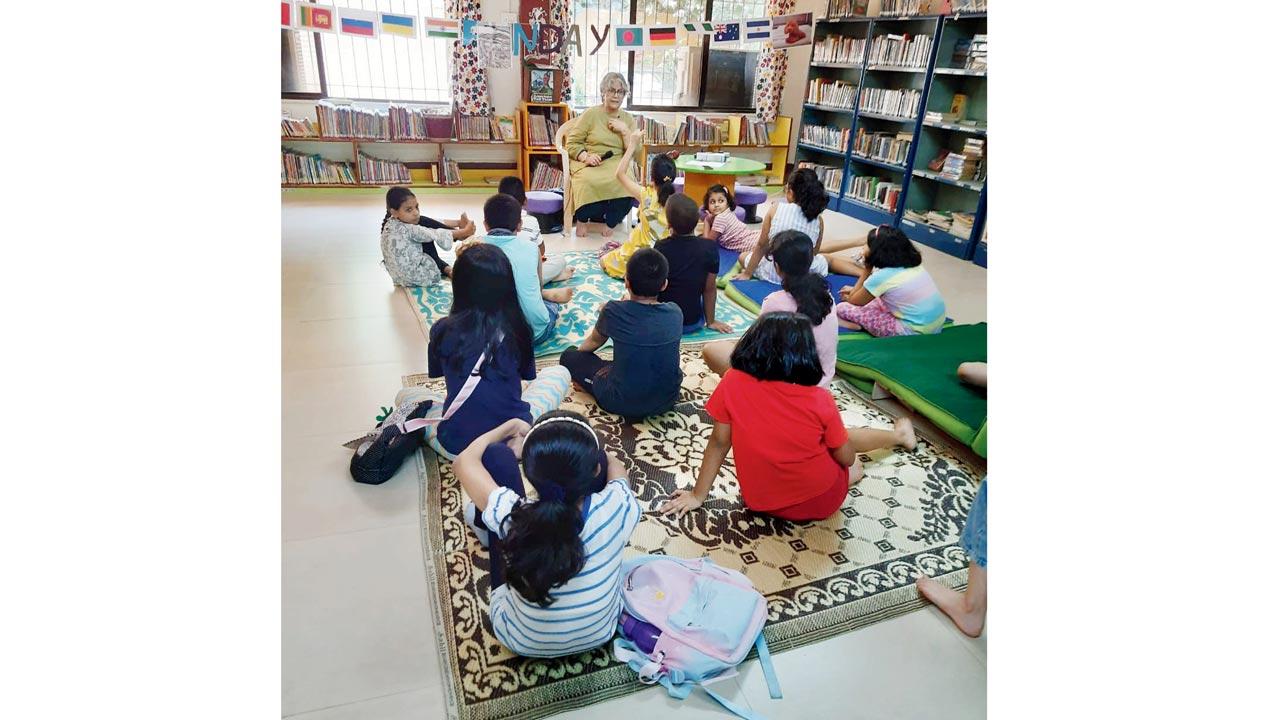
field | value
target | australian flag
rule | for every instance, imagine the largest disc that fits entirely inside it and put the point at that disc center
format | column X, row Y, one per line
column 728, row 32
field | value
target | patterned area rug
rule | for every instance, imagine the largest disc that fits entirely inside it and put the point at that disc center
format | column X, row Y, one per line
column 592, row 287
column 820, row 578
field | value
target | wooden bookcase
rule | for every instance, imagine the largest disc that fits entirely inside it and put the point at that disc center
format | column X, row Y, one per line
column 779, row 142
column 937, row 81
column 530, row 154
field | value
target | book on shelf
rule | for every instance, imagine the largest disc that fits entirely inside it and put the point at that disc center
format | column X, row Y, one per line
column 655, row 132
column 477, row 127
column 884, row 146
column 826, row 136
column 546, row 177
column 875, row 191
column 953, row 221
column 293, row 127
column 839, row 50
column 446, row 172
column 754, row 132
column 506, row 128
column 900, row 50
column 959, row 104
column 846, row 8
column 902, row 8
column 968, row 6
column 420, row 123
column 542, row 129
column 350, row 121
column 300, row 169
column 374, row 171
column 959, row 166
column 886, row 101
column 832, row 93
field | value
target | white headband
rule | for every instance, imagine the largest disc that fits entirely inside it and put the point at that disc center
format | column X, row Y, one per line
column 562, row 418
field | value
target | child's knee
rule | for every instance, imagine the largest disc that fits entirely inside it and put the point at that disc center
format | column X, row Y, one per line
column 497, row 458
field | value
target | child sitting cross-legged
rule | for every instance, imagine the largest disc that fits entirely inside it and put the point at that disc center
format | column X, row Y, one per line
column 644, row 376
column 894, row 294
column 554, row 267
column 693, row 263
column 555, row 560
column 795, row 458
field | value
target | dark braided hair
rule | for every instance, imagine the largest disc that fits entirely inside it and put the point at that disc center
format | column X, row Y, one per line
column 793, row 255
column 808, row 192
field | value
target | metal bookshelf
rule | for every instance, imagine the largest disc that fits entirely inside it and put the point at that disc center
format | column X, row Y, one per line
column 921, row 189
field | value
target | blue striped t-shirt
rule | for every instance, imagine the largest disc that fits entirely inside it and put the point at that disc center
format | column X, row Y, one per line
column 584, row 611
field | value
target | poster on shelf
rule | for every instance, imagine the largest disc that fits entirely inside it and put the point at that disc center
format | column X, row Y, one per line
column 792, row 30
column 399, row 25
column 358, row 23
column 318, row 18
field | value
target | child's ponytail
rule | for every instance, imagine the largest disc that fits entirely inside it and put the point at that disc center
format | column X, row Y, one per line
column 543, row 548
column 793, row 255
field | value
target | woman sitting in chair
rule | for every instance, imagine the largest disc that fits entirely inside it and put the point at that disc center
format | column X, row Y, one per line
column 595, row 145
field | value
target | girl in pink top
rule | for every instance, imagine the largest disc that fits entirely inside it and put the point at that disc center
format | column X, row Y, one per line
column 802, row 292
column 722, row 225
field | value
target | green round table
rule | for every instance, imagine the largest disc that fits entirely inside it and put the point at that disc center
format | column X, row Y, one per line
column 698, row 177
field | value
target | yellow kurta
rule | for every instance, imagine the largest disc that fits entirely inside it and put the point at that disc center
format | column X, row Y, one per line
column 591, row 133
column 652, row 228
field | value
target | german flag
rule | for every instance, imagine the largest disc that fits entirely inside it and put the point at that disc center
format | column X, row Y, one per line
column 662, row 35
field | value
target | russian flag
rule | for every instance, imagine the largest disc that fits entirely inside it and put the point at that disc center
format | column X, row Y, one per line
column 401, row 25
column 358, row 22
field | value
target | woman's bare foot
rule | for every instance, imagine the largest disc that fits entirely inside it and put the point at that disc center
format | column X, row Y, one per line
column 968, row 616
column 558, row 295
column 607, row 232
column 580, row 229
column 905, row 433
column 848, row 324
column 855, row 472
column 565, row 274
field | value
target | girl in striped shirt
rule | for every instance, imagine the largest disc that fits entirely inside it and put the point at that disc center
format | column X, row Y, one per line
column 555, row 562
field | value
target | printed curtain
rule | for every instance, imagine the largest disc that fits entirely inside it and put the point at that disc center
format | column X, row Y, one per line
column 559, row 15
column 470, row 81
column 771, row 69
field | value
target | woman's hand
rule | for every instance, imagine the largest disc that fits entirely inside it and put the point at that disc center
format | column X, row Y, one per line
column 619, row 127
column 589, row 158
column 680, row 503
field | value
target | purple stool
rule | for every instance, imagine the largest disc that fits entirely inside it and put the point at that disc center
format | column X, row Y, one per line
column 547, row 207
column 679, row 183
column 749, row 196
column 742, row 214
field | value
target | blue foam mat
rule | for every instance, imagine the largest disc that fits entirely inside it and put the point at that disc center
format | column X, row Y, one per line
column 727, row 260
column 757, row 290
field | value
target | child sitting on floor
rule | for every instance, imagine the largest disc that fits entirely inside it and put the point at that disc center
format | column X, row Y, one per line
column 693, row 263
column 894, row 294
column 485, row 320
column 541, row 307
column 554, row 267
column 802, row 292
column 653, row 220
column 795, row 458
column 554, row 562
column 722, row 225
column 806, row 199
column 644, row 376
column 409, row 249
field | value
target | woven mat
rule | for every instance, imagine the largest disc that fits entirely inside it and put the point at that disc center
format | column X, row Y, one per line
column 592, row 286
column 820, row 578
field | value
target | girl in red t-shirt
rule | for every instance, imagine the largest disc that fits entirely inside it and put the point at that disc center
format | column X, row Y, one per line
column 795, row 458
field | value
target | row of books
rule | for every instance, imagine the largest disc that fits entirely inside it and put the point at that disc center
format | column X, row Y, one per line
column 829, row 176
column 971, row 54
column 754, row 132
column 299, row 169
column 965, row 165
column 953, row 221
column 546, row 177
column 968, row 6
column 542, row 130
column 382, row 172
column 832, row 93
column 902, row 8
column 478, row 127
column 446, row 172
column 834, row 138
column 876, row 191
column 349, row 121
column 841, row 50
column 900, row 50
column 886, row 147
column 655, row 132
column 419, row 123
column 885, row 101
column 291, row 127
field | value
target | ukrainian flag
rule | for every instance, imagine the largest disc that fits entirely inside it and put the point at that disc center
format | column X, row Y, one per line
column 401, row 25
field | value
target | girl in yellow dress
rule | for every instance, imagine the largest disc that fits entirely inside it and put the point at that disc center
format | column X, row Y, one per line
column 653, row 220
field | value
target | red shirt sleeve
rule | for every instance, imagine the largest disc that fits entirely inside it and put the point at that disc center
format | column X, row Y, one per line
column 834, row 433
column 716, row 406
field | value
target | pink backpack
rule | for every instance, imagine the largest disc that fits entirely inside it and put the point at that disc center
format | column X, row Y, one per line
column 686, row 623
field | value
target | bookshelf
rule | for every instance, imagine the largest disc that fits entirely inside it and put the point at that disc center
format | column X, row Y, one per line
column 779, row 141
column 883, row 175
column 532, row 149
column 418, row 155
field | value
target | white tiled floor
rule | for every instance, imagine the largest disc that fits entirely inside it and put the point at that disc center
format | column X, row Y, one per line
column 357, row 641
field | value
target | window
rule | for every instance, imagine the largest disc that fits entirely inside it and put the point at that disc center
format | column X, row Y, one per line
column 330, row 65
column 696, row 76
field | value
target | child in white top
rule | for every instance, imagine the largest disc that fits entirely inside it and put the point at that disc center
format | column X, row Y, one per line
column 403, row 240
column 806, row 199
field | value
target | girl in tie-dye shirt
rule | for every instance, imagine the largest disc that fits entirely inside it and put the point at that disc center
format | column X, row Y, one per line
column 895, row 294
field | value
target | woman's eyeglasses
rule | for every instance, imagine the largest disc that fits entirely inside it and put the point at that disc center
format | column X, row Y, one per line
column 616, row 91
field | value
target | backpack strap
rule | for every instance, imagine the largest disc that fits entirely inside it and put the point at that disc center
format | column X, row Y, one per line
column 766, row 666
column 738, row 710
column 469, row 387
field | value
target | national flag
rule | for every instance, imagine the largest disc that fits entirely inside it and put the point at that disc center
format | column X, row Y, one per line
column 629, row 36
column 286, row 14
column 727, row 33
column 402, row 25
column 701, row 28
column 757, row 29
column 665, row 35
column 316, row 17
column 444, row 28
column 363, row 23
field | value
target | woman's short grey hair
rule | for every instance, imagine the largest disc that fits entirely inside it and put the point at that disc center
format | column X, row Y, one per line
column 609, row 79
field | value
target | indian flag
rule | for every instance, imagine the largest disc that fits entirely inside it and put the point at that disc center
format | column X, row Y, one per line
column 444, row 28
column 402, row 25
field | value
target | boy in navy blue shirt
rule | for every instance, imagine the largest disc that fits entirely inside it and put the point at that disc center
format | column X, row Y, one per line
column 693, row 263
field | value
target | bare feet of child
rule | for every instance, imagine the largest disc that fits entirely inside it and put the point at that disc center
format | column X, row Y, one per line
column 968, row 615
column 607, row 232
column 905, row 433
column 565, row 274
column 558, row 295
column 580, row 229
column 855, row 472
